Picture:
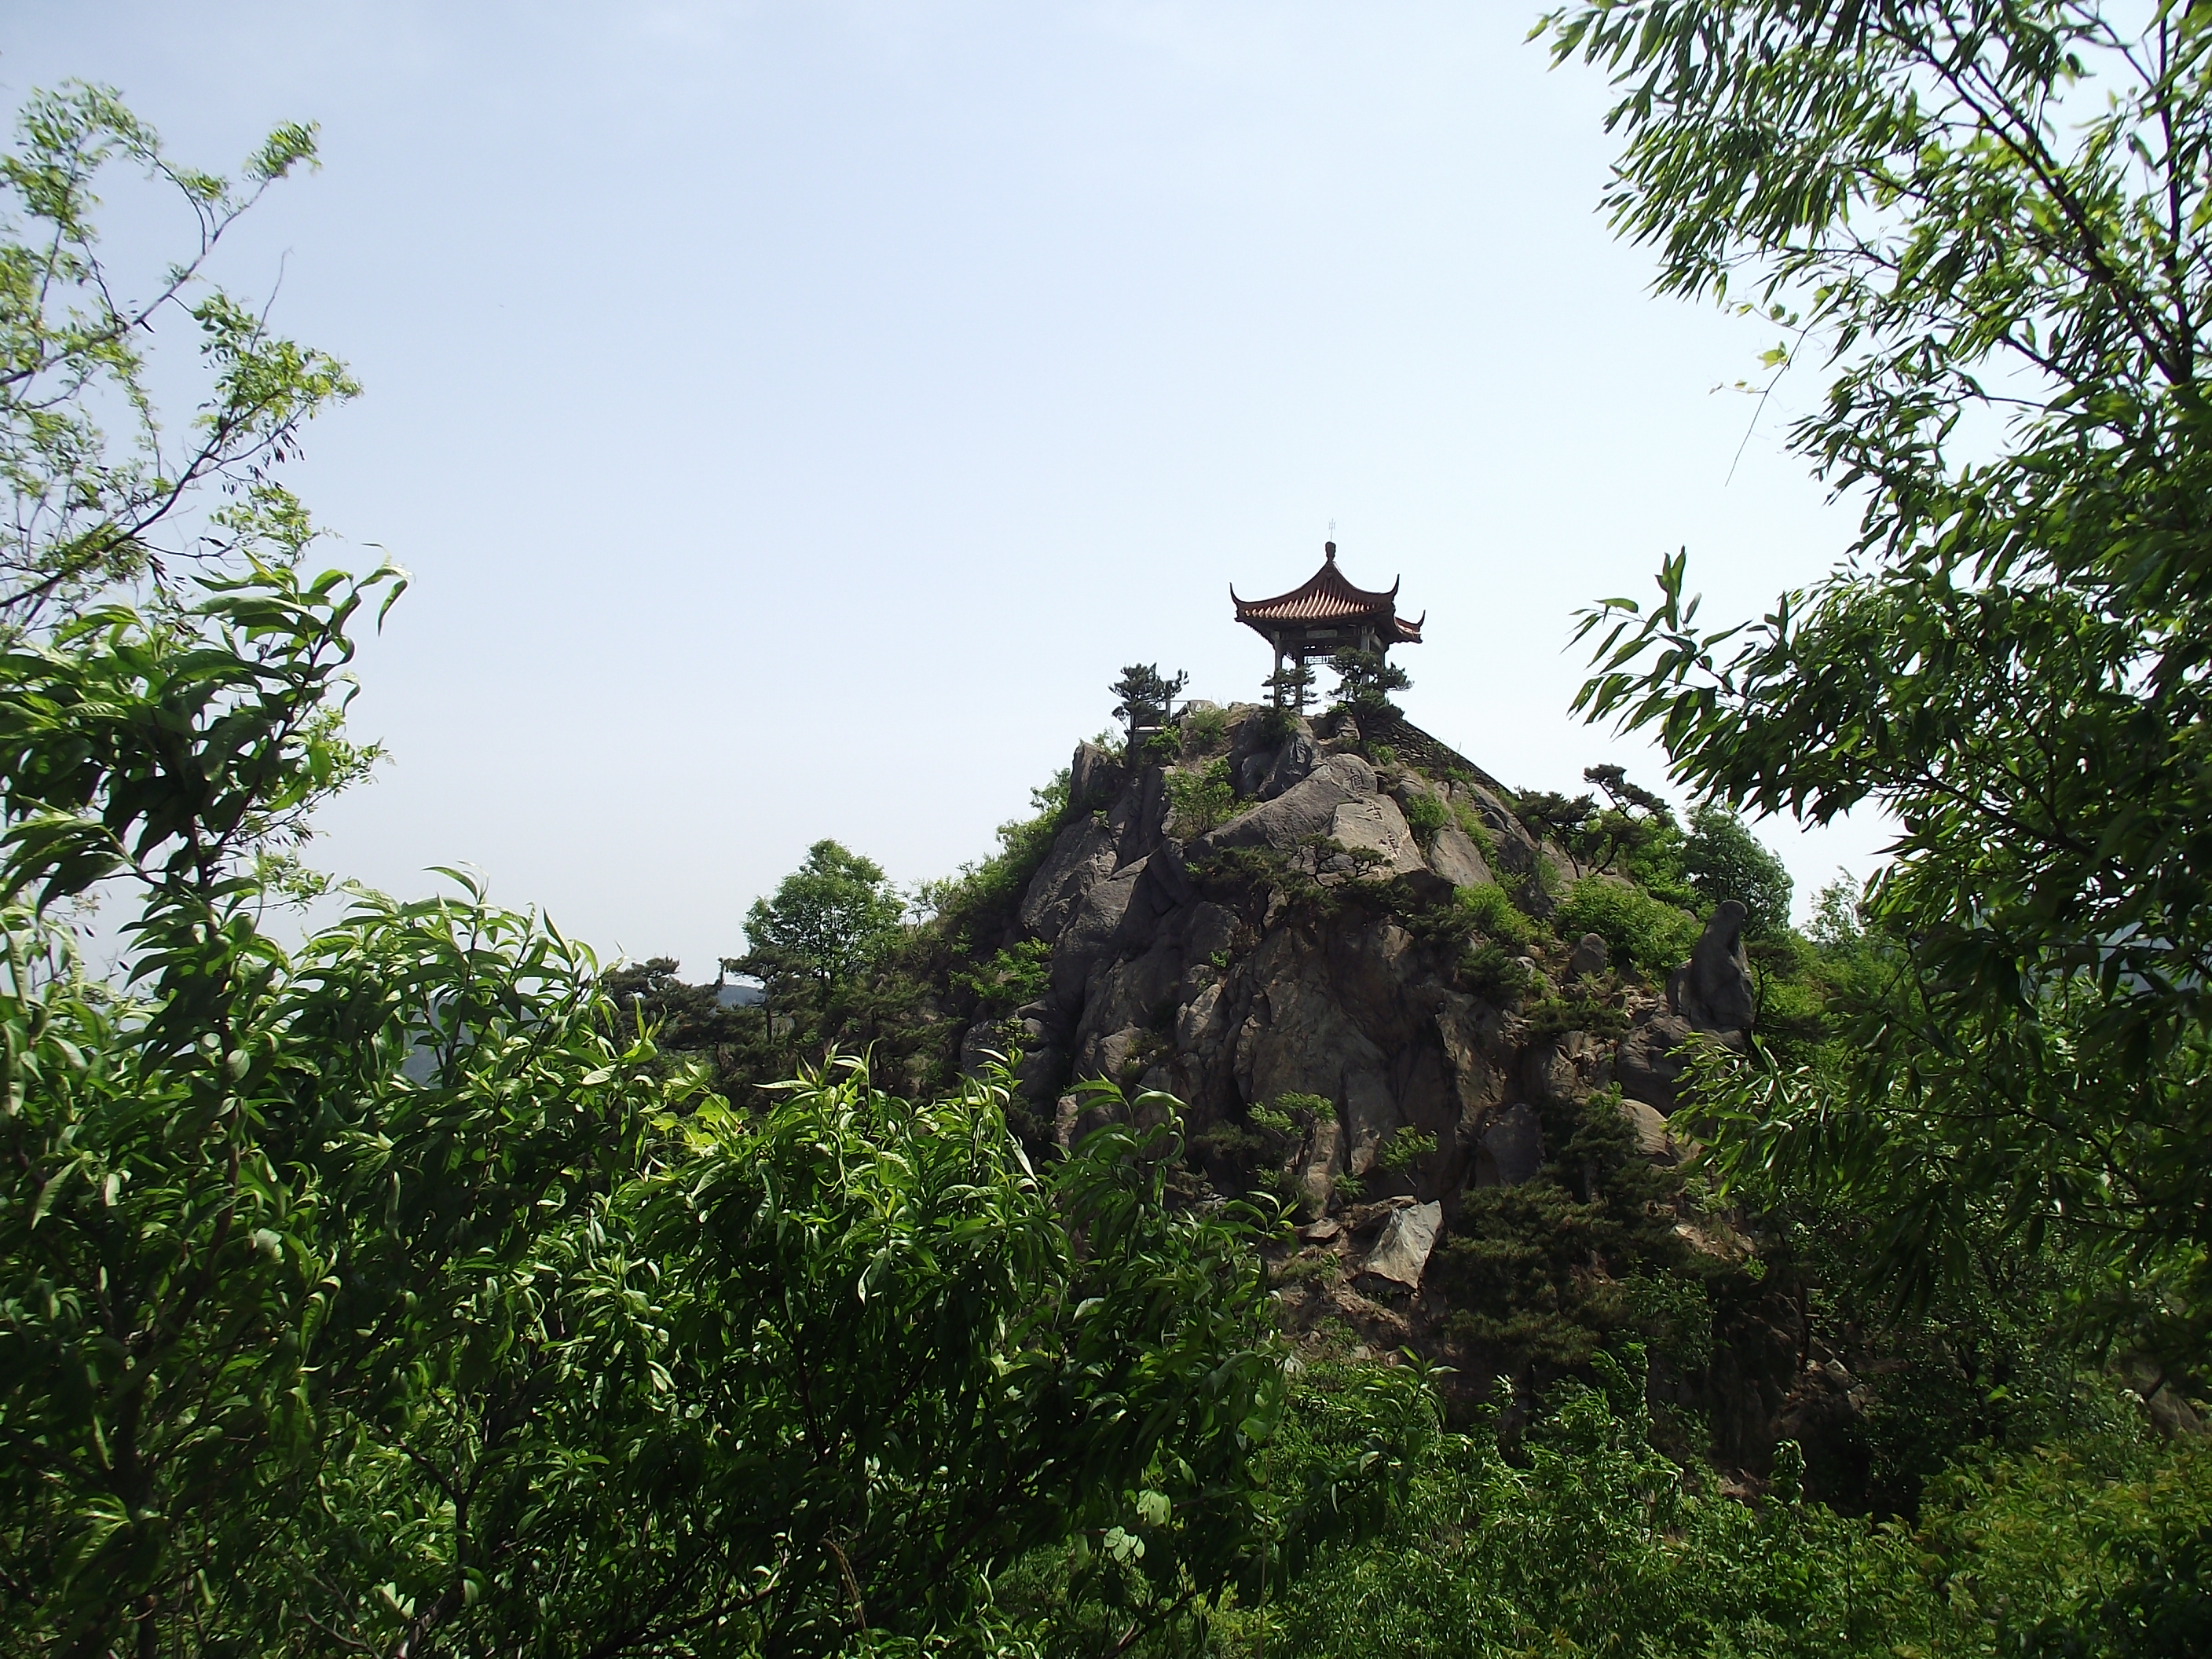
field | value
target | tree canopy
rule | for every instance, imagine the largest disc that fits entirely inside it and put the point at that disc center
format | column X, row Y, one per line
column 825, row 921
column 1990, row 220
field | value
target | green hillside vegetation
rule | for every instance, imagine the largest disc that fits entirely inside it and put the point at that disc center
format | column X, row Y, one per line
column 430, row 1287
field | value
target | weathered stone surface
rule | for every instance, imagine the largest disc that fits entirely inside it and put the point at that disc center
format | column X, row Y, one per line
column 1454, row 856
column 1094, row 778
column 1291, row 766
column 1319, row 1162
column 1651, row 1138
column 1591, row 957
column 1139, row 815
column 1131, row 991
column 1714, row 989
column 1083, row 855
column 1401, row 1251
column 1552, row 1077
column 1308, row 808
column 1370, row 1117
column 1089, row 933
column 1516, row 848
column 1474, row 1046
column 1374, row 825
column 1512, row 1147
column 1194, row 1023
column 1648, row 1061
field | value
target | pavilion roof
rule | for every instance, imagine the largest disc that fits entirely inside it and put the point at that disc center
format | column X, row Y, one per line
column 1326, row 595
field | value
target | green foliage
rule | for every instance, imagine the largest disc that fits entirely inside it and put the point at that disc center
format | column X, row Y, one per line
column 827, row 921
column 1365, row 680
column 1637, row 927
column 1496, row 972
column 1015, row 974
column 1405, row 1148
column 1489, row 911
column 1287, row 689
column 1992, row 221
column 1198, row 801
column 1484, row 839
column 1425, row 814
column 1144, row 697
column 1724, row 861
column 102, row 491
column 1586, row 1540
column 1291, row 1114
column 1203, row 730
column 1534, row 1272
column 393, row 1294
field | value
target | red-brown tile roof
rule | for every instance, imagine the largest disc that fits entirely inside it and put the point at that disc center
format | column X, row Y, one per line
column 1325, row 596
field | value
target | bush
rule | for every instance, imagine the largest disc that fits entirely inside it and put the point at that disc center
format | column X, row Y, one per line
column 1016, row 974
column 1496, row 973
column 1635, row 926
column 1491, row 912
column 1198, row 801
column 1425, row 815
column 1203, row 730
column 1406, row 1148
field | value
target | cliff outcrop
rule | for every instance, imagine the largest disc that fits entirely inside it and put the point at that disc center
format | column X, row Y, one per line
column 1324, row 938
column 1339, row 949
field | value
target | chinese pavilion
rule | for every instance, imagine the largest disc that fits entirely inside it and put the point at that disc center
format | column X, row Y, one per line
column 1324, row 615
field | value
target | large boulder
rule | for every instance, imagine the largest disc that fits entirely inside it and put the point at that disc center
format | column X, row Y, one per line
column 1263, row 765
column 1308, row 808
column 1454, row 856
column 1401, row 1254
column 1090, row 933
column 1649, row 1130
column 1319, row 1164
column 1094, row 777
column 1591, row 957
column 1374, row 825
column 1649, row 1061
column 1287, row 767
column 1714, row 990
column 1083, row 854
column 1139, row 815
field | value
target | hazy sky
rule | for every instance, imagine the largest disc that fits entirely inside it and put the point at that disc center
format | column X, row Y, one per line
column 794, row 415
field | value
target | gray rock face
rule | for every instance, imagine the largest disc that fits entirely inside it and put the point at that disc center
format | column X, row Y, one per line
column 1140, row 814
column 1089, row 934
column 1714, row 990
column 1232, row 995
column 1094, row 777
column 1648, row 1063
column 1374, row 825
column 1083, row 854
column 1319, row 1162
column 1454, row 856
column 1308, row 808
column 1512, row 1148
column 1401, row 1253
column 1590, row 959
column 1652, row 1139
column 1291, row 766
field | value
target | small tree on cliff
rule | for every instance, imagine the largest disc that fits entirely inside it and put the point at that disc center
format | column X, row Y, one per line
column 1365, row 680
column 1144, row 698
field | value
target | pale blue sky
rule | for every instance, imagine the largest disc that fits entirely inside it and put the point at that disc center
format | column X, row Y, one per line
column 793, row 414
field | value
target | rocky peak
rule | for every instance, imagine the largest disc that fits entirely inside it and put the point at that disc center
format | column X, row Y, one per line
column 1296, row 971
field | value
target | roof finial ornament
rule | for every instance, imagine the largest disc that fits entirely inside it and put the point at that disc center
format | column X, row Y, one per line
column 1329, row 546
